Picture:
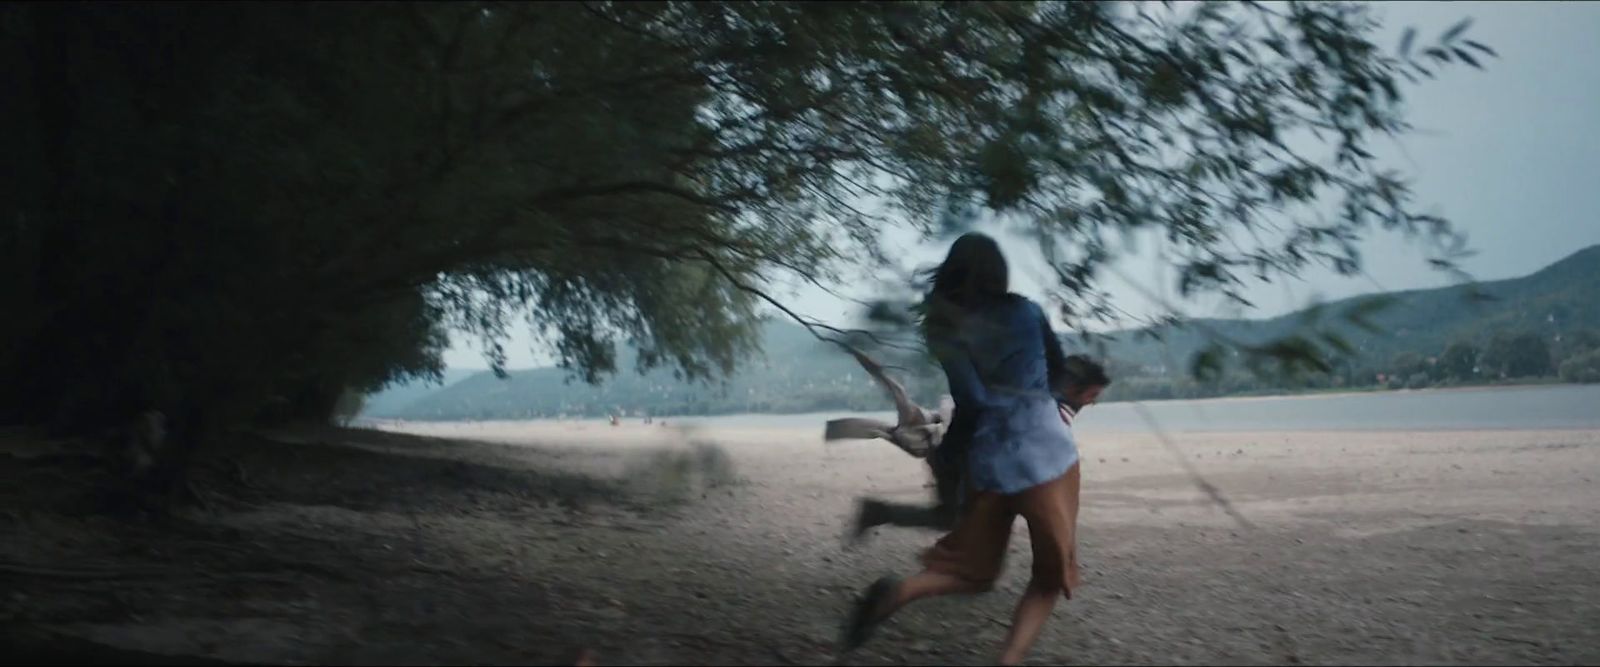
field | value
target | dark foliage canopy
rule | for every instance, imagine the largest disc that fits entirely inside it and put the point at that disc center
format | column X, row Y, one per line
column 239, row 212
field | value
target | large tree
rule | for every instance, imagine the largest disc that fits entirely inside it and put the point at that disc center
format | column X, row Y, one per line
column 1459, row 361
column 234, row 212
column 1516, row 355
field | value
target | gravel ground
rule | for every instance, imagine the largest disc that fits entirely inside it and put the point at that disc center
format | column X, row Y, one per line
column 528, row 542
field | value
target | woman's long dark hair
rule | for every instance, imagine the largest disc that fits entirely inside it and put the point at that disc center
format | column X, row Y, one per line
column 972, row 274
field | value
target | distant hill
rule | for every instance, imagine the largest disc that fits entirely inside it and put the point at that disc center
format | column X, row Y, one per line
column 1560, row 298
column 797, row 373
column 394, row 401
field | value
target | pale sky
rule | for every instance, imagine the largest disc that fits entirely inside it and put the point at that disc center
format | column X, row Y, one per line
column 1511, row 155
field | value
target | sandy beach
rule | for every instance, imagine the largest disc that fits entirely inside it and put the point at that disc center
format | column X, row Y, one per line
column 526, row 542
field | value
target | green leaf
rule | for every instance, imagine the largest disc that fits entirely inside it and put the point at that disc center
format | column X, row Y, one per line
column 1373, row 305
column 887, row 312
column 1467, row 57
column 1360, row 314
column 1481, row 47
column 1293, row 354
column 1406, row 40
column 1207, row 364
column 1456, row 30
column 1338, row 342
column 1389, row 90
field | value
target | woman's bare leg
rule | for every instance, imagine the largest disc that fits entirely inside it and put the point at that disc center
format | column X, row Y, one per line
column 1032, row 611
column 1052, row 515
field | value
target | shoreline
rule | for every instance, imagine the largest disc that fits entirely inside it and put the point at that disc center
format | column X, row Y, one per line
column 1164, row 401
column 724, row 430
column 1360, row 392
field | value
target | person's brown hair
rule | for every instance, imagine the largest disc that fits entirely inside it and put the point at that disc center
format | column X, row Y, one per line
column 974, row 272
column 1080, row 370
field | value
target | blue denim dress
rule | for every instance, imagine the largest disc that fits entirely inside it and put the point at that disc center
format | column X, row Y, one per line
column 996, row 362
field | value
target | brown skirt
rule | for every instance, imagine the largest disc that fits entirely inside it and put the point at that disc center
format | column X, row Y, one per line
column 976, row 549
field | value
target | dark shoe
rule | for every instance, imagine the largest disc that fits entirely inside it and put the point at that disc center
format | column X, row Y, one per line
column 866, row 615
column 869, row 515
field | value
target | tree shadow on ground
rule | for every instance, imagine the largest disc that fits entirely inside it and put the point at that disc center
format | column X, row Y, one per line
column 370, row 471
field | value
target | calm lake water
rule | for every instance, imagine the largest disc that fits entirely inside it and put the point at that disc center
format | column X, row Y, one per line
column 1542, row 407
